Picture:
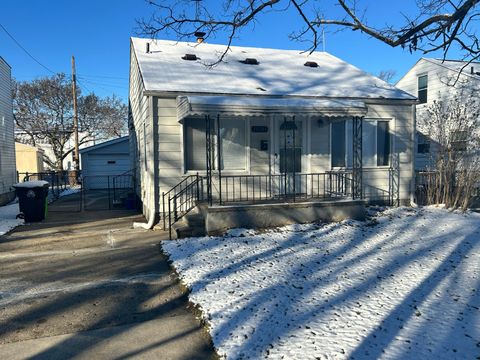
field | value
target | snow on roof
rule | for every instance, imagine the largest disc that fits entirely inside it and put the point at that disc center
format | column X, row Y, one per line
column 104, row 144
column 457, row 65
column 249, row 105
column 31, row 184
column 279, row 72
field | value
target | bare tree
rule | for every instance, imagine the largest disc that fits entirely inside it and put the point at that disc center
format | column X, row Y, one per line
column 387, row 75
column 436, row 24
column 453, row 126
column 43, row 111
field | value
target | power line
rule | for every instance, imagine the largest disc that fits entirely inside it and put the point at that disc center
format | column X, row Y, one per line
column 102, row 77
column 84, row 86
column 25, row 50
column 101, row 84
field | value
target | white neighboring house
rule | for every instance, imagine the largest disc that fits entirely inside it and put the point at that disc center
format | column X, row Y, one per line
column 434, row 79
column 265, row 125
column 8, row 175
column 105, row 161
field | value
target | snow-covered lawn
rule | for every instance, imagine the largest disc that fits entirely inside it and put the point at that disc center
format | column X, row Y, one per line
column 7, row 218
column 405, row 285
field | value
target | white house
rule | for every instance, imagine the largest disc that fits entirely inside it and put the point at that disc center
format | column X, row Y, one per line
column 433, row 80
column 262, row 132
column 7, row 143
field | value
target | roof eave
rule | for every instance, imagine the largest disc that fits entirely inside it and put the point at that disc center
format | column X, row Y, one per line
column 174, row 94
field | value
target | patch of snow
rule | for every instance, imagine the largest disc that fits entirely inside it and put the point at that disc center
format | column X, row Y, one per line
column 404, row 284
column 31, row 184
column 8, row 219
column 69, row 191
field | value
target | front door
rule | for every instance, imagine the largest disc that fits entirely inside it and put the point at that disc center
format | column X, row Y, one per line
column 290, row 155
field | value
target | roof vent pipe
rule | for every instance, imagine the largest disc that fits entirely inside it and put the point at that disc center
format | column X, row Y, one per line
column 190, row 57
column 200, row 35
column 148, row 48
column 250, row 61
column 312, row 64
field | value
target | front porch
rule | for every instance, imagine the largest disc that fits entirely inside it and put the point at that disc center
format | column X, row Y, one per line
column 269, row 162
column 221, row 202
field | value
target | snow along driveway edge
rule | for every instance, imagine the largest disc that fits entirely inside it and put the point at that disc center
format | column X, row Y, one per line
column 8, row 220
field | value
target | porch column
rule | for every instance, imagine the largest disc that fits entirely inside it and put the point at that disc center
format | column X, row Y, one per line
column 208, row 149
column 357, row 171
column 219, row 157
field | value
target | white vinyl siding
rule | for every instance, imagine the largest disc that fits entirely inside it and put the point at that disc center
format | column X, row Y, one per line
column 7, row 143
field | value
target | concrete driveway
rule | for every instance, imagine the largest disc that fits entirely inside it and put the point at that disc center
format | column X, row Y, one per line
column 86, row 285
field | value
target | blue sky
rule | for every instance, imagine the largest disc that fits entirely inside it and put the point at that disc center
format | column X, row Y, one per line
column 97, row 32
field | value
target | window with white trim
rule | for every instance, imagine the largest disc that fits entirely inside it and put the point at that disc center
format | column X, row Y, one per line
column 376, row 143
column 233, row 144
column 423, row 89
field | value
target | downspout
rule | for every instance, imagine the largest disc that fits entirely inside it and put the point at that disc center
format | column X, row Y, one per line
column 152, row 214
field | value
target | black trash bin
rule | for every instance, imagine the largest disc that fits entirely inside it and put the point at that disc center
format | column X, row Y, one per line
column 32, row 197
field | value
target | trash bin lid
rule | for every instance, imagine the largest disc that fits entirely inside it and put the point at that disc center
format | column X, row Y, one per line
column 31, row 184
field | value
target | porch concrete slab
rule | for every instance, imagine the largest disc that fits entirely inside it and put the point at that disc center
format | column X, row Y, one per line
column 89, row 285
column 166, row 338
column 221, row 218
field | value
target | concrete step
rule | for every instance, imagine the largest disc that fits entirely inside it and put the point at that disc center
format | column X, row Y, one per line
column 195, row 220
column 184, row 231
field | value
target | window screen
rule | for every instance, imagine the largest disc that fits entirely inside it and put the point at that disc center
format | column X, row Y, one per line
column 422, row 88
column 338, row 143
column 369, row 144
column 233, row 146
column 195, row 144
column 383, row 143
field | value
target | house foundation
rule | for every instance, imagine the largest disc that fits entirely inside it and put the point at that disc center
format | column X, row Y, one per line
column 218, row 219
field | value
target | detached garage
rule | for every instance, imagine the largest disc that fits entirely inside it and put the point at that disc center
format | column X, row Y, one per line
column 101, row 163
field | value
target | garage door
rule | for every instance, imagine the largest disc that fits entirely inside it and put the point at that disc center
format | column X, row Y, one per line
column 103, row 167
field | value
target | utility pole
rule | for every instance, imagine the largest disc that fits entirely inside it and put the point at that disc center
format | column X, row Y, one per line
column 76, row 162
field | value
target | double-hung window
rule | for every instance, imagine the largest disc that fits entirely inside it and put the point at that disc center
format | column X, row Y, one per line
column 459, row 140
column 232, row 141
column 423, row 89
column 376, row 143
column 423, row 145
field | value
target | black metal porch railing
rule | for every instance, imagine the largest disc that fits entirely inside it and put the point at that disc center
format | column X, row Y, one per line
column 251, row 189
column 376, row 194
column 284, row 187
column 180, row 199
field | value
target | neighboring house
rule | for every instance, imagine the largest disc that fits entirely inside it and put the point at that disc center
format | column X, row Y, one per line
column 433, row 80
column 29, row 159
column 105, row 161
column 8, row 174
column 264, row 126
column 48, row 151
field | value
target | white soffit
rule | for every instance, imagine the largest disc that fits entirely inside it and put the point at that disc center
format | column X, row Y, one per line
column 254, row 106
